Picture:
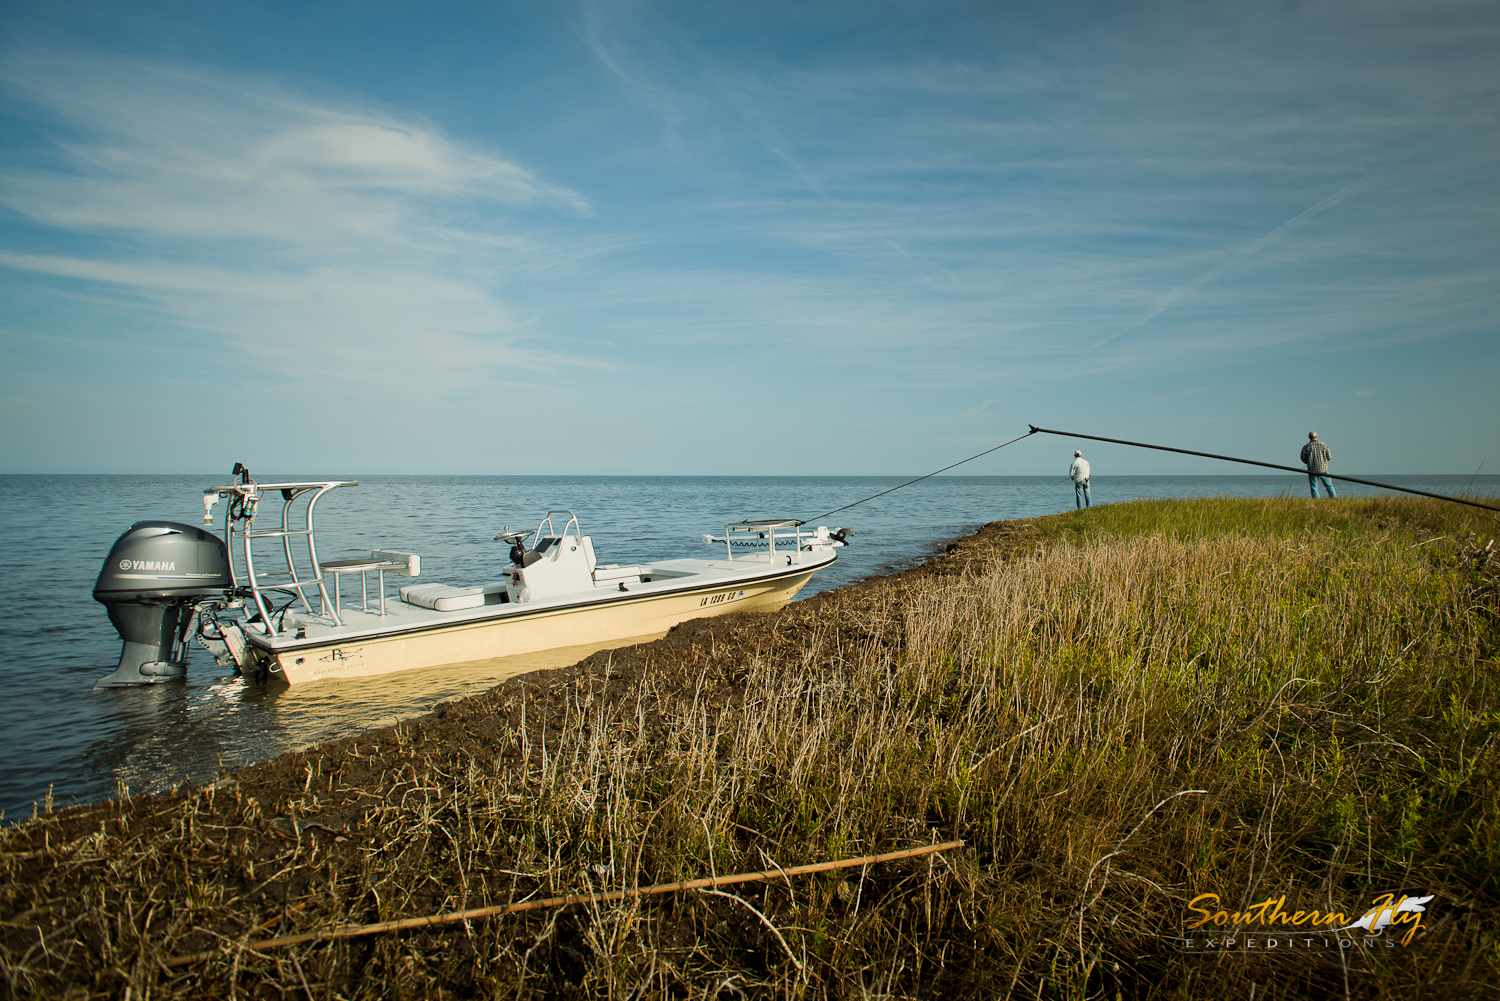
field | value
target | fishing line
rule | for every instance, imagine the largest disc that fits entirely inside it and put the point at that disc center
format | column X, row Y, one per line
column 919, row 479
column 1252, row 462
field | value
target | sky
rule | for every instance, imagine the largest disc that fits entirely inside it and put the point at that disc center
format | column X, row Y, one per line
column 698, row 238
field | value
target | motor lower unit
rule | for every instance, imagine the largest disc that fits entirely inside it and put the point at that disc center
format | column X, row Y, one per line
column 153, row 581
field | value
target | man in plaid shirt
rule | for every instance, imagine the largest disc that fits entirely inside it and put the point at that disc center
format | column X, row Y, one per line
column 1315, row 456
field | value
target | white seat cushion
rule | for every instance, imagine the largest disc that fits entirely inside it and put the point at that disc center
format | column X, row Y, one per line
column 442, row 597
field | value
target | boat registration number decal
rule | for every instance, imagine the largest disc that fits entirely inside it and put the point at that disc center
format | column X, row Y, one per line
column 719, row 599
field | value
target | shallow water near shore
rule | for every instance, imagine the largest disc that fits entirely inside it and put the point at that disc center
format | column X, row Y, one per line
column 55, row 640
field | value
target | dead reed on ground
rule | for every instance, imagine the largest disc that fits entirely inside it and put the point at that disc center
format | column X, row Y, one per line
column 1149, row 702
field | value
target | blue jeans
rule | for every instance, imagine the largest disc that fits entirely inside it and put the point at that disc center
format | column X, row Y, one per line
column 1312, row 484
column 1081, row 493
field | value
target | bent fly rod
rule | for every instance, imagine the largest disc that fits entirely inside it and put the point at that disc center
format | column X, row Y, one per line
column 919, row 479
column 1268, row 465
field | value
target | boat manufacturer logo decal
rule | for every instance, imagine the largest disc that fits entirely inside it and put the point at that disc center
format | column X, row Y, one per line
column 340, row 658
column 148, row 565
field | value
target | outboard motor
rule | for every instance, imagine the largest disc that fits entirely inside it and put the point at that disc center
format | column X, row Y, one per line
column 154, row 579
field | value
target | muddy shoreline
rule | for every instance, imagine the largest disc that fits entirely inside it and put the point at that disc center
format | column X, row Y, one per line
column 539, row 701
column 252, row 827
column 469, row 724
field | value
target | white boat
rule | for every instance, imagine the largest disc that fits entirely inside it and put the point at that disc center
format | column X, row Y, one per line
column 262, row 599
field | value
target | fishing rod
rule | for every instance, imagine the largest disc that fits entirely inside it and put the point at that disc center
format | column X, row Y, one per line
column 919, row 479
column 1252, row 462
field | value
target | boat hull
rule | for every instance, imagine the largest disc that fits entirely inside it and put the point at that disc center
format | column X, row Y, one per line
column 526, row 632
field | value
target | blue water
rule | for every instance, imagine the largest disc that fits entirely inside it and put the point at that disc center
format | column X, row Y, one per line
column 55, row 640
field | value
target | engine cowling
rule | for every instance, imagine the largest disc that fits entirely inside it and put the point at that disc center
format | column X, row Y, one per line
column 152, row 582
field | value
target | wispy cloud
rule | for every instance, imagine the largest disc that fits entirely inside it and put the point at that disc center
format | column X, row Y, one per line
column 313, row 236
column 1218, row 187
column 916, row 209
column 397, row 334
column 1235, row 259
column 174, row 151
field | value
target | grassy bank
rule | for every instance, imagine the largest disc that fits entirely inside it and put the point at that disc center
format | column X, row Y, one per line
column 1118, row 710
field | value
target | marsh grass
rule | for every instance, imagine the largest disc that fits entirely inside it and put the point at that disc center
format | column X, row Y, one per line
column 1140, row 704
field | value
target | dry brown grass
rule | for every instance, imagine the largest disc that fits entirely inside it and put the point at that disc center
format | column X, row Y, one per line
column 1254, row 699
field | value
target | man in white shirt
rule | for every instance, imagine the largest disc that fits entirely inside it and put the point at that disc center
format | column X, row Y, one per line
column 1079, row 472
